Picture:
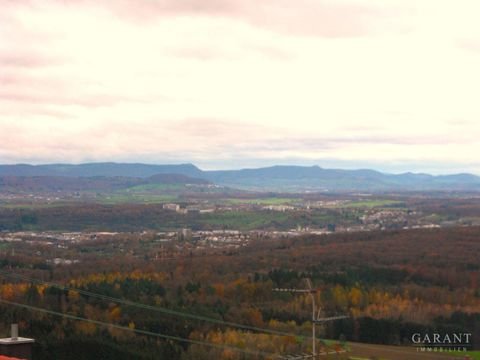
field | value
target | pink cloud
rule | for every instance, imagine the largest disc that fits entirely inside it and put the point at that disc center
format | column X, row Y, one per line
column 23, row 88
column 58, row 98
column 23, row 59
column 233, row 52
column 470, row 44
column 221, row 129
column 303, row 17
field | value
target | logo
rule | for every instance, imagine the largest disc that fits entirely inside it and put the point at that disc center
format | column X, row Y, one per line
column 446, row 342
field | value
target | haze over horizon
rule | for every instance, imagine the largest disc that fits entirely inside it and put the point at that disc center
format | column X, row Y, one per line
column 233, row 168
column 389, row 85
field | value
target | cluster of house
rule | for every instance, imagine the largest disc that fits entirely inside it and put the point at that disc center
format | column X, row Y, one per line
column 71, row 237
column 192, row 209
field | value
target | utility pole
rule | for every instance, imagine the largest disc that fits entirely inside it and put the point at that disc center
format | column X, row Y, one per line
column 316, row 319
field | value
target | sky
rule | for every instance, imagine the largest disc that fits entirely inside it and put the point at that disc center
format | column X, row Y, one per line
column 387, row 84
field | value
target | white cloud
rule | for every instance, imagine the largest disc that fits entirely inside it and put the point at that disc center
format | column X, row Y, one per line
column 84, row 80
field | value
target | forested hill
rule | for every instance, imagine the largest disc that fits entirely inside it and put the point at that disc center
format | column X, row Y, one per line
column 99, row 169
column 280, row 178
column 317, row 178
column 96, row 183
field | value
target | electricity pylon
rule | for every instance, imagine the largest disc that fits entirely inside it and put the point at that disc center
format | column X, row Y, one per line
column 316, row 319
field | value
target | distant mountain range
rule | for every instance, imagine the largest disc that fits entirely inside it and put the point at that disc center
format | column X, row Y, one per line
column 275, row 178
column 42, row 183
column 99, row 169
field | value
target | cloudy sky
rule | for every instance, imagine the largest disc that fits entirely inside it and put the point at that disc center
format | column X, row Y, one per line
column 388, row 84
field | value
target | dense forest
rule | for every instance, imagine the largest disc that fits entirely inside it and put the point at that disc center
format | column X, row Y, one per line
column 131, row 217
column 220, row 304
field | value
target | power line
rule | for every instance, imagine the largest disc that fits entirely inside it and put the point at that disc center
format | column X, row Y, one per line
column 138, row 331
column 150, row 307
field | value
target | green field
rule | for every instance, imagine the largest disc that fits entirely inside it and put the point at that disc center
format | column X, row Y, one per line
column 34, row 205
column 371, row 203
column 243, row 220
column 263, row 201
column 155, row 187
column 250, row 220
column 474, row 355
column 122, row 198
